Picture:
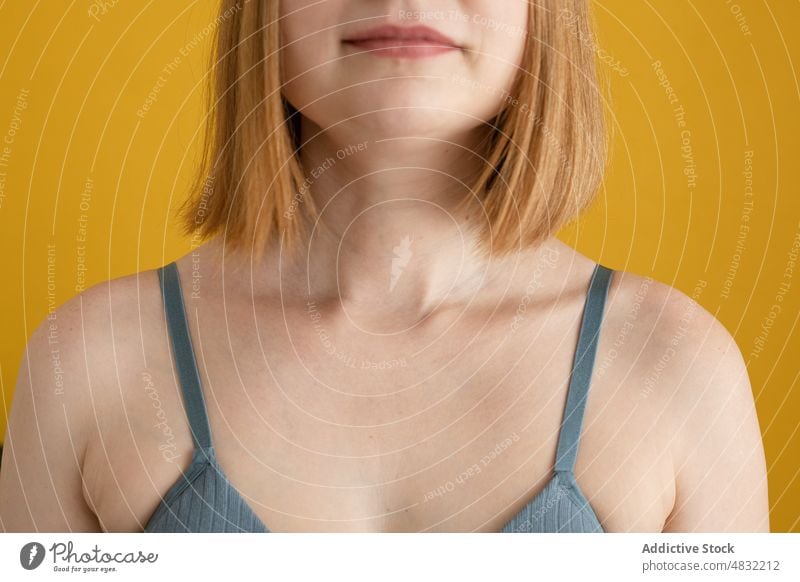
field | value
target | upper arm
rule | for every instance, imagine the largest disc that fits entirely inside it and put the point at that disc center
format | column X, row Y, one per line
column 41, row 485
column 717, row 451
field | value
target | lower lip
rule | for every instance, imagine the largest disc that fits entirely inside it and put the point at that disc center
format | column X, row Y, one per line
column 398, row 48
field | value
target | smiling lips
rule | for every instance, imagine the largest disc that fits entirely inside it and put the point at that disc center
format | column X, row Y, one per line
column 410, row 42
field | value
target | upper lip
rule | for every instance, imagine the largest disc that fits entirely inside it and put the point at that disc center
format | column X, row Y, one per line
column 393, row 32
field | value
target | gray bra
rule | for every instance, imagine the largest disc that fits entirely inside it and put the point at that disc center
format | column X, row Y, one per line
column 203, row 499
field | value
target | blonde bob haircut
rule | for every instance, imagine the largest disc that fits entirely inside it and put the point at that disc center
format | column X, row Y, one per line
column 544, row 160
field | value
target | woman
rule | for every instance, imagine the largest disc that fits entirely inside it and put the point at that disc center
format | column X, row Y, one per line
column 380, row 331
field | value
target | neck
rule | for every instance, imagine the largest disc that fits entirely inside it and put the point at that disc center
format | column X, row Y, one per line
column 392, row 235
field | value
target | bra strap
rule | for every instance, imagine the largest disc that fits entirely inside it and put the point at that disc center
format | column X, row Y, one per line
column 583, row 364
column 183, row 355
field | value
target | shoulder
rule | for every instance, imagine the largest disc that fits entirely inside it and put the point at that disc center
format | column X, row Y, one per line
column 690, row 381
column 678, row 348
column 72, row 371
column 88, row 320
column 687, row 376
column 77, row 350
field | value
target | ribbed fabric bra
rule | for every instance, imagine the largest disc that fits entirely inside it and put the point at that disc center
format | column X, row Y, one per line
column 204, row 500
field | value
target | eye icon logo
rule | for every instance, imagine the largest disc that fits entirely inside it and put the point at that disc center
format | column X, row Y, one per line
column 31, row 555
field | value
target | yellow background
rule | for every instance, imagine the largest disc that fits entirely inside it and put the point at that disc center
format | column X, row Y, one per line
column 87, row 77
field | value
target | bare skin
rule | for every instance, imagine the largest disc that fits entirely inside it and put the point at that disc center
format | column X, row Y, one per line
column 307, row 421
column 300, row 437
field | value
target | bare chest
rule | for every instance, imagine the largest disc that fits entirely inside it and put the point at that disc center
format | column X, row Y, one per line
column 323, row 431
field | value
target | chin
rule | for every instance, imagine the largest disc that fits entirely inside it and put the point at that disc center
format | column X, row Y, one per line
column 416, row 122
column 383, row 113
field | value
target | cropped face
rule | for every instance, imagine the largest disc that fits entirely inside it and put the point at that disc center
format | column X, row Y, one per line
column 400, row 67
